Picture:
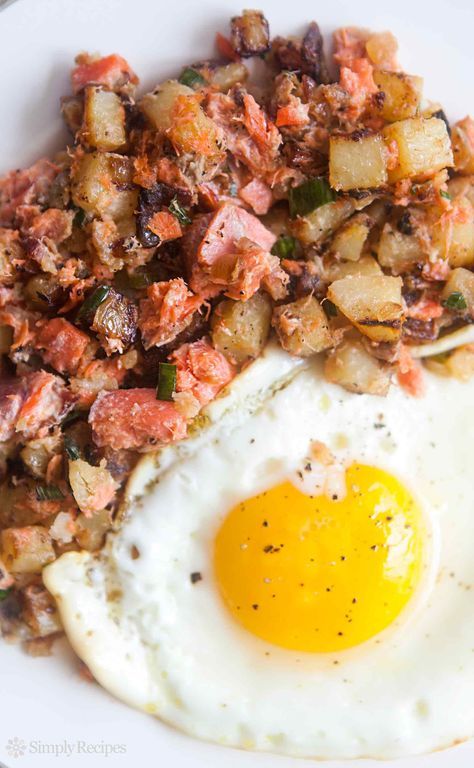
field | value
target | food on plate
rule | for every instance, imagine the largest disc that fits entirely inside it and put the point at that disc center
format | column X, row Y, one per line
column 236, row 326
column 306, row 546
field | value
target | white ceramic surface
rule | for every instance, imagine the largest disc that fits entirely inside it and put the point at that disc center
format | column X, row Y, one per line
column 55, row 716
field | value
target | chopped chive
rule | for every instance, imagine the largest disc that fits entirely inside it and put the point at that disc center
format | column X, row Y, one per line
column 179, row 212
column 72, row 448
column 455, row 300
column 329, row 308
column 80, row 217
column 311, row 194
column 191, row 78
column 48, row 493
column 285, row 247
column 166, row 381
column 94, row 300
column 4, row 594
column 444, row 194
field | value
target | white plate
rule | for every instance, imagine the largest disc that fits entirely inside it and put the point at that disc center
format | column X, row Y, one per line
column 45, row 704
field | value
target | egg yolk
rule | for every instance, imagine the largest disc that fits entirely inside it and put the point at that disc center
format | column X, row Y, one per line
column 318, row 575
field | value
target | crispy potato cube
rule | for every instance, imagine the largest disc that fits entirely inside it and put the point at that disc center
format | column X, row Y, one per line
column 352, row 367
column 240, row 328
column 39, row 611
column 349, row 240
column 103, row 125
column 367, row 265
column 90, row 531
column 372, row 304
column 94, row 187
column 423, row 147
column 461, row 281
column 382, row 49
column 250, row 35
column 26, row 550
column 462, row 138
column 357, row 161
column 402, row 94
column 93, row 487
column 397, row 251
column 456, row 241
column 226, row 76
column 318, row 225
column 302, row 327
column 158, row 106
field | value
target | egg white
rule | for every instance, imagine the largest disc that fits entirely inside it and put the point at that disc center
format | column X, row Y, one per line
column 168, row 646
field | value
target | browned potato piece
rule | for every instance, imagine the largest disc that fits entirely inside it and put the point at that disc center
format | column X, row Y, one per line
column 318, row 225
column 26, row 550
column 240, row 328
column 461, row 281
column 335, row 270
column 250, row 35
column 36, row 454
column 456, row 242
column 95, row 180
column 349, row 240
column 39, row 611
column 372, row 304
column 423, row 146
column 87, row 482
column 402, row 94
column 352, row 367
column 381, row 48
column 158, row 106
column 103, row 125
column 462, row 138
column 228, row 75
column 397, row 251
column 302, row 327
column 90, row 531
column 357, row 161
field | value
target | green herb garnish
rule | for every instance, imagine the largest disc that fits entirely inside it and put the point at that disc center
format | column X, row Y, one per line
column 191, row 78
column 4, row 594
column 311, row 194
column 455, row 300
column 72, row 448
column 93, row 301
column 177, row 210
column 166, row 381
column 48, row 493
column 444, row 194
column 285, row 247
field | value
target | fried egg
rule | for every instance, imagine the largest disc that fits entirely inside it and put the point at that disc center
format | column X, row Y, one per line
column 296, row 576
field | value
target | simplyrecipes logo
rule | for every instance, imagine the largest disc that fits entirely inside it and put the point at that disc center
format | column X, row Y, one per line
column 17, row 748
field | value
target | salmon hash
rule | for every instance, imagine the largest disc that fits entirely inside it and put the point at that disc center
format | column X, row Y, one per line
column 326, row 204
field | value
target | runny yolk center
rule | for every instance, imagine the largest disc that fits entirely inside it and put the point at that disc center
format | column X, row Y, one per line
column 312, row 574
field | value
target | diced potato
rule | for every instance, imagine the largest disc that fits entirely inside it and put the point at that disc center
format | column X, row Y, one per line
column 357, row 161
column 382, row 49
column 462, row 138
column 158, row 106
column 26, row 550
column 240, row 328
column 366, row 266
column 352, row 367
column 372, row 304
column 397, row 251
column 228, row 75
column 402, row 94
column 455, row 241
column 349, row 240
column 94, row 187
column 39, row 611
column 103, row 125
column 302, row 327
column 318, row 225
column 459, row 363
column 250, row 34
column 423, row 147
column 93, row 487
column 90, row 531
column 461, row 281
column 36, row 454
